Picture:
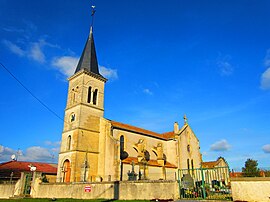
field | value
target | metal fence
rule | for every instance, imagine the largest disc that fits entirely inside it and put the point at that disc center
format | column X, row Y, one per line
column 204, row 183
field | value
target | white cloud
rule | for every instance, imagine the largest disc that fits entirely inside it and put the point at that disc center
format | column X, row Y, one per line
column 14, row 48
column 35, row 153
column 50, row 143
column 265, row 79
column 5, row 153
column 108, row 73
column 147, row 91
column 36, row 52
column 12, row 29
column 266, row 148
column 225, row 66
column 66, row 64
column 205, row 153
column 221, row 145
column 1, row 148
column 267, row 58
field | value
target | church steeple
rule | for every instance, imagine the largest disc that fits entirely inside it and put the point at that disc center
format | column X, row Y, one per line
column 88, row 60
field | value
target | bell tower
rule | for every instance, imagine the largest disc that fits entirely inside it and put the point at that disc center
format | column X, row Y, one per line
column 83, row 113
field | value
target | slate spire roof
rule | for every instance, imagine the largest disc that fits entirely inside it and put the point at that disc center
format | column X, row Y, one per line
column 88, row 60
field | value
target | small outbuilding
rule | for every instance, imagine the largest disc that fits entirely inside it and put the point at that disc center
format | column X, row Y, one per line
column 12, row 170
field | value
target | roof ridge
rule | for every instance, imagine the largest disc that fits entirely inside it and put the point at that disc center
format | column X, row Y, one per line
column 140, row 130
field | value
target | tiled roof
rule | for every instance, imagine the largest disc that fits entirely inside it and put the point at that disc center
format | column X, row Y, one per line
column 236, row 174
column 168, row 135
column 209, row 164
column 20, row 166
column 123, row 126
column 212, row 164
column 129, row 160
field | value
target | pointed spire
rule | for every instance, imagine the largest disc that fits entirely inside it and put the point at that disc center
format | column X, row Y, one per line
column 88, row 60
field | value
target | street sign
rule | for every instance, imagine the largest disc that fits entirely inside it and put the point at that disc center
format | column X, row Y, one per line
column 87, row 188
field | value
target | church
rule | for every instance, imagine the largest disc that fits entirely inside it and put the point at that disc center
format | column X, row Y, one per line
column 95, row 149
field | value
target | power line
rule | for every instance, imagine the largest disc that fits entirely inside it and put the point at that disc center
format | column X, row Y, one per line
column 42, row 103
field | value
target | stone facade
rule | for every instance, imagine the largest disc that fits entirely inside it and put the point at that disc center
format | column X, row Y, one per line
column 91, row 145
column 94, row 148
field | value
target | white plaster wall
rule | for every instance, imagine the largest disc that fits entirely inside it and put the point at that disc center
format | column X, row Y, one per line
column 6, row 190
column 251, row 189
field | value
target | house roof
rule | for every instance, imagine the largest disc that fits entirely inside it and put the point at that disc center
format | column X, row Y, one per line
column 212, row 164
column 123, row 126
column 236, row 174
column 22, row 166
column 209, row 164
column 151, row 162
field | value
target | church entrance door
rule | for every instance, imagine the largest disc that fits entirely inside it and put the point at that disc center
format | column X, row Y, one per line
column 66, row 171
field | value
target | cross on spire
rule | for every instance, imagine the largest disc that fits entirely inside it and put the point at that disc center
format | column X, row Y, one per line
column 185, row 119
column 92, row 15
column 88, row 60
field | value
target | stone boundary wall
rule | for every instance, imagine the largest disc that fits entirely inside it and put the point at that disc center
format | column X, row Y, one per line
column 6, row 190
column 11, row 190
column 108, row 190
column 251, row 189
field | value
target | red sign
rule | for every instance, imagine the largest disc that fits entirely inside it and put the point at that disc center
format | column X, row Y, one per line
column 87, row 188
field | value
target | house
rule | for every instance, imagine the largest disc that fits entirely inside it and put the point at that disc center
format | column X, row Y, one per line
column 11, row 170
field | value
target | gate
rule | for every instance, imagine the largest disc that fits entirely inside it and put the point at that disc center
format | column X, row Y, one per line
column 27, row 184
column 204, row 183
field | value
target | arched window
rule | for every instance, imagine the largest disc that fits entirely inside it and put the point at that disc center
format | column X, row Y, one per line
column 122, row 143
column 72, row 117
column 123, row 155
column 89, row 94
column 188, row 148
column 73, row 95
column 95, row 97
column 192, row 166
column 68, row 142
column 188, row 164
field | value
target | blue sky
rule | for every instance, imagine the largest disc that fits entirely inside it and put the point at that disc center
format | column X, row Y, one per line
column 207, row 59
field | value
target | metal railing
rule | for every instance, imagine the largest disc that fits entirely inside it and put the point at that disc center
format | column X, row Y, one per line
column 204, row 183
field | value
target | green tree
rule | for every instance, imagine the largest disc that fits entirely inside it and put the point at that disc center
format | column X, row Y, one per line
column 251, row 168
column 267, row 173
